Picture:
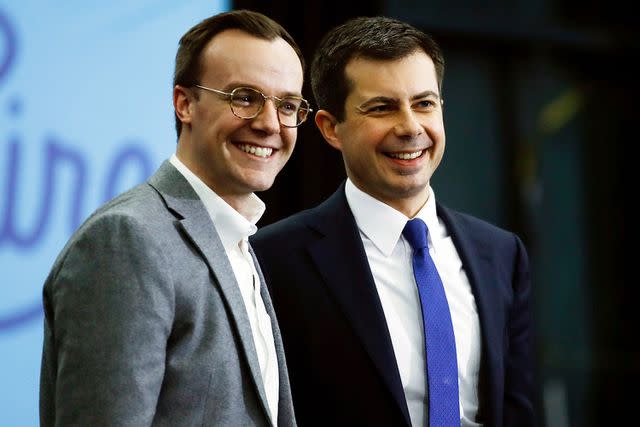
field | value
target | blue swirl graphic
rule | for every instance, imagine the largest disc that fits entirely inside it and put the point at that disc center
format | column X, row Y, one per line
column 21, row 316
column 7, row 54
column 8, row 41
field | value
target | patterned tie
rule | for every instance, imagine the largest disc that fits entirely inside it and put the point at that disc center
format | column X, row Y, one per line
column 442, row 365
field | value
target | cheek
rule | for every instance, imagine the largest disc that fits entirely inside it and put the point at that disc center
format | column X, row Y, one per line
column 368, row 136
column 223, row 128
column 289, row 137
column 436, row 128
column 288, row 143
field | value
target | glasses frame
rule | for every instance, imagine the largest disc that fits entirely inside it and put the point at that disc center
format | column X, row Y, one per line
column 276, row 100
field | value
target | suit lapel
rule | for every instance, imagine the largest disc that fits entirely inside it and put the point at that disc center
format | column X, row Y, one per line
column 342, row 262
column 479, row 269
column 196, row 223
column 285, row 404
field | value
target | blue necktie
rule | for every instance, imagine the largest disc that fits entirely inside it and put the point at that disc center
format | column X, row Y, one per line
column 442, row 365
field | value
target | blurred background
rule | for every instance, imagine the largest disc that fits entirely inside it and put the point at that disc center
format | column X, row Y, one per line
column 540, row 102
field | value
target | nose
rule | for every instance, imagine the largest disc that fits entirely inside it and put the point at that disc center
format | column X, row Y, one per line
column 267, row 120
column 408, row 125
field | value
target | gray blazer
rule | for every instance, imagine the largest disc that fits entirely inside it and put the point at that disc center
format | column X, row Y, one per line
column 145, row 323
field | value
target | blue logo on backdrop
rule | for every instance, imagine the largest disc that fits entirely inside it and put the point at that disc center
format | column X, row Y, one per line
column 8, row 44
column 57, row 157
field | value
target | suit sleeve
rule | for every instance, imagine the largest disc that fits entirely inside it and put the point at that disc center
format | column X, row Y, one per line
column 109, row 307
column 518, row 405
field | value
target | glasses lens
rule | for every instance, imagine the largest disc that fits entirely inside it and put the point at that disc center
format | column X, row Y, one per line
column 246, row 102
column 293, row 111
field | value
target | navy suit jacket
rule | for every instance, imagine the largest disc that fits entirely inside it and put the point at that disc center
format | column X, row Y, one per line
column 342, row 367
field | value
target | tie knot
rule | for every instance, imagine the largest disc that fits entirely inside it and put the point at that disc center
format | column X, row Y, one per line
column 415, row 231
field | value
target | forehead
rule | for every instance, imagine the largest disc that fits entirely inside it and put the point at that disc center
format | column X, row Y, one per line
column 234, row 56
column 401, row 78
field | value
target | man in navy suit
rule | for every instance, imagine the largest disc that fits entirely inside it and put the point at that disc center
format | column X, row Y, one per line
column 341, row 274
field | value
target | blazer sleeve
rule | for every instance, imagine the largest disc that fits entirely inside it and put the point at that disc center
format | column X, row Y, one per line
column 109, row 306
column 519, row 389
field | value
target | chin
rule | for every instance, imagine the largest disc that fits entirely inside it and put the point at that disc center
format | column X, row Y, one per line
column 258, row 186
column 410, row 184
column 410, row 191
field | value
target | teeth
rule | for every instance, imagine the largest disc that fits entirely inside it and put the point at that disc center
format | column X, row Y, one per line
column 256, row 151
column 405, row 156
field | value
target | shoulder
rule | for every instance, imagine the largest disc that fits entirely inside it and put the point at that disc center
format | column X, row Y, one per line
column 469, row 222
column 107, row 254
column 481, row 233
column 141, row 202
column 127, row 223
column 286, row 231
column 141, row 207
column 329, row 216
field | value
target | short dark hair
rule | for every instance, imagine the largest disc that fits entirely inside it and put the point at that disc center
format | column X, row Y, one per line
column 364, row 37
column 189, row 56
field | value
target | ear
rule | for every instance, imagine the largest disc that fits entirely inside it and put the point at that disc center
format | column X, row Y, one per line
column 182, row 103
column 327, row 123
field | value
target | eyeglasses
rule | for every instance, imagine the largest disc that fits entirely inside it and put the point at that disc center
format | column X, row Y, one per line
column 246, row 103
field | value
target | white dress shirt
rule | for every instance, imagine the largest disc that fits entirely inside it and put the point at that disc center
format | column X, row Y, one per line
column 234, row 230
column 390, row 260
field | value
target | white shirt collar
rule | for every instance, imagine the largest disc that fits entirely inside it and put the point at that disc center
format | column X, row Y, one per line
column 381, row 223
column 232, row 226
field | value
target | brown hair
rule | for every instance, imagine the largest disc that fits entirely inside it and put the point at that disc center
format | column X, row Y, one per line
column 364, row 37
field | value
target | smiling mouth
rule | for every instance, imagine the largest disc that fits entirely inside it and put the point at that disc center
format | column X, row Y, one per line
column 262, row 152
column 406, row 156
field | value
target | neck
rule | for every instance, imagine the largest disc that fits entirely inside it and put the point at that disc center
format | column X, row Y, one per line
column 409, row 207
column 239, row 203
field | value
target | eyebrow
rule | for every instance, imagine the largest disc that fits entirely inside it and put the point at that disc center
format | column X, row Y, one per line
column 389, row 100
column 236, row 84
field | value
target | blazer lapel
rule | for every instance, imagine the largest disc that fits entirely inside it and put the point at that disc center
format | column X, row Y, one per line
column 196, row 223
column 285, row 403
column 342, row 262
column 478, row 267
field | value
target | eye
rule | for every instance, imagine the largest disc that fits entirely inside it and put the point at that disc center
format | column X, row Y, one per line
column 245, row 97
column 425, row 104
column 289, row 106
column 379, row 109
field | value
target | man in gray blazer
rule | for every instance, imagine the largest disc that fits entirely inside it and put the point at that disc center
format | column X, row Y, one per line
column 156, row 311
